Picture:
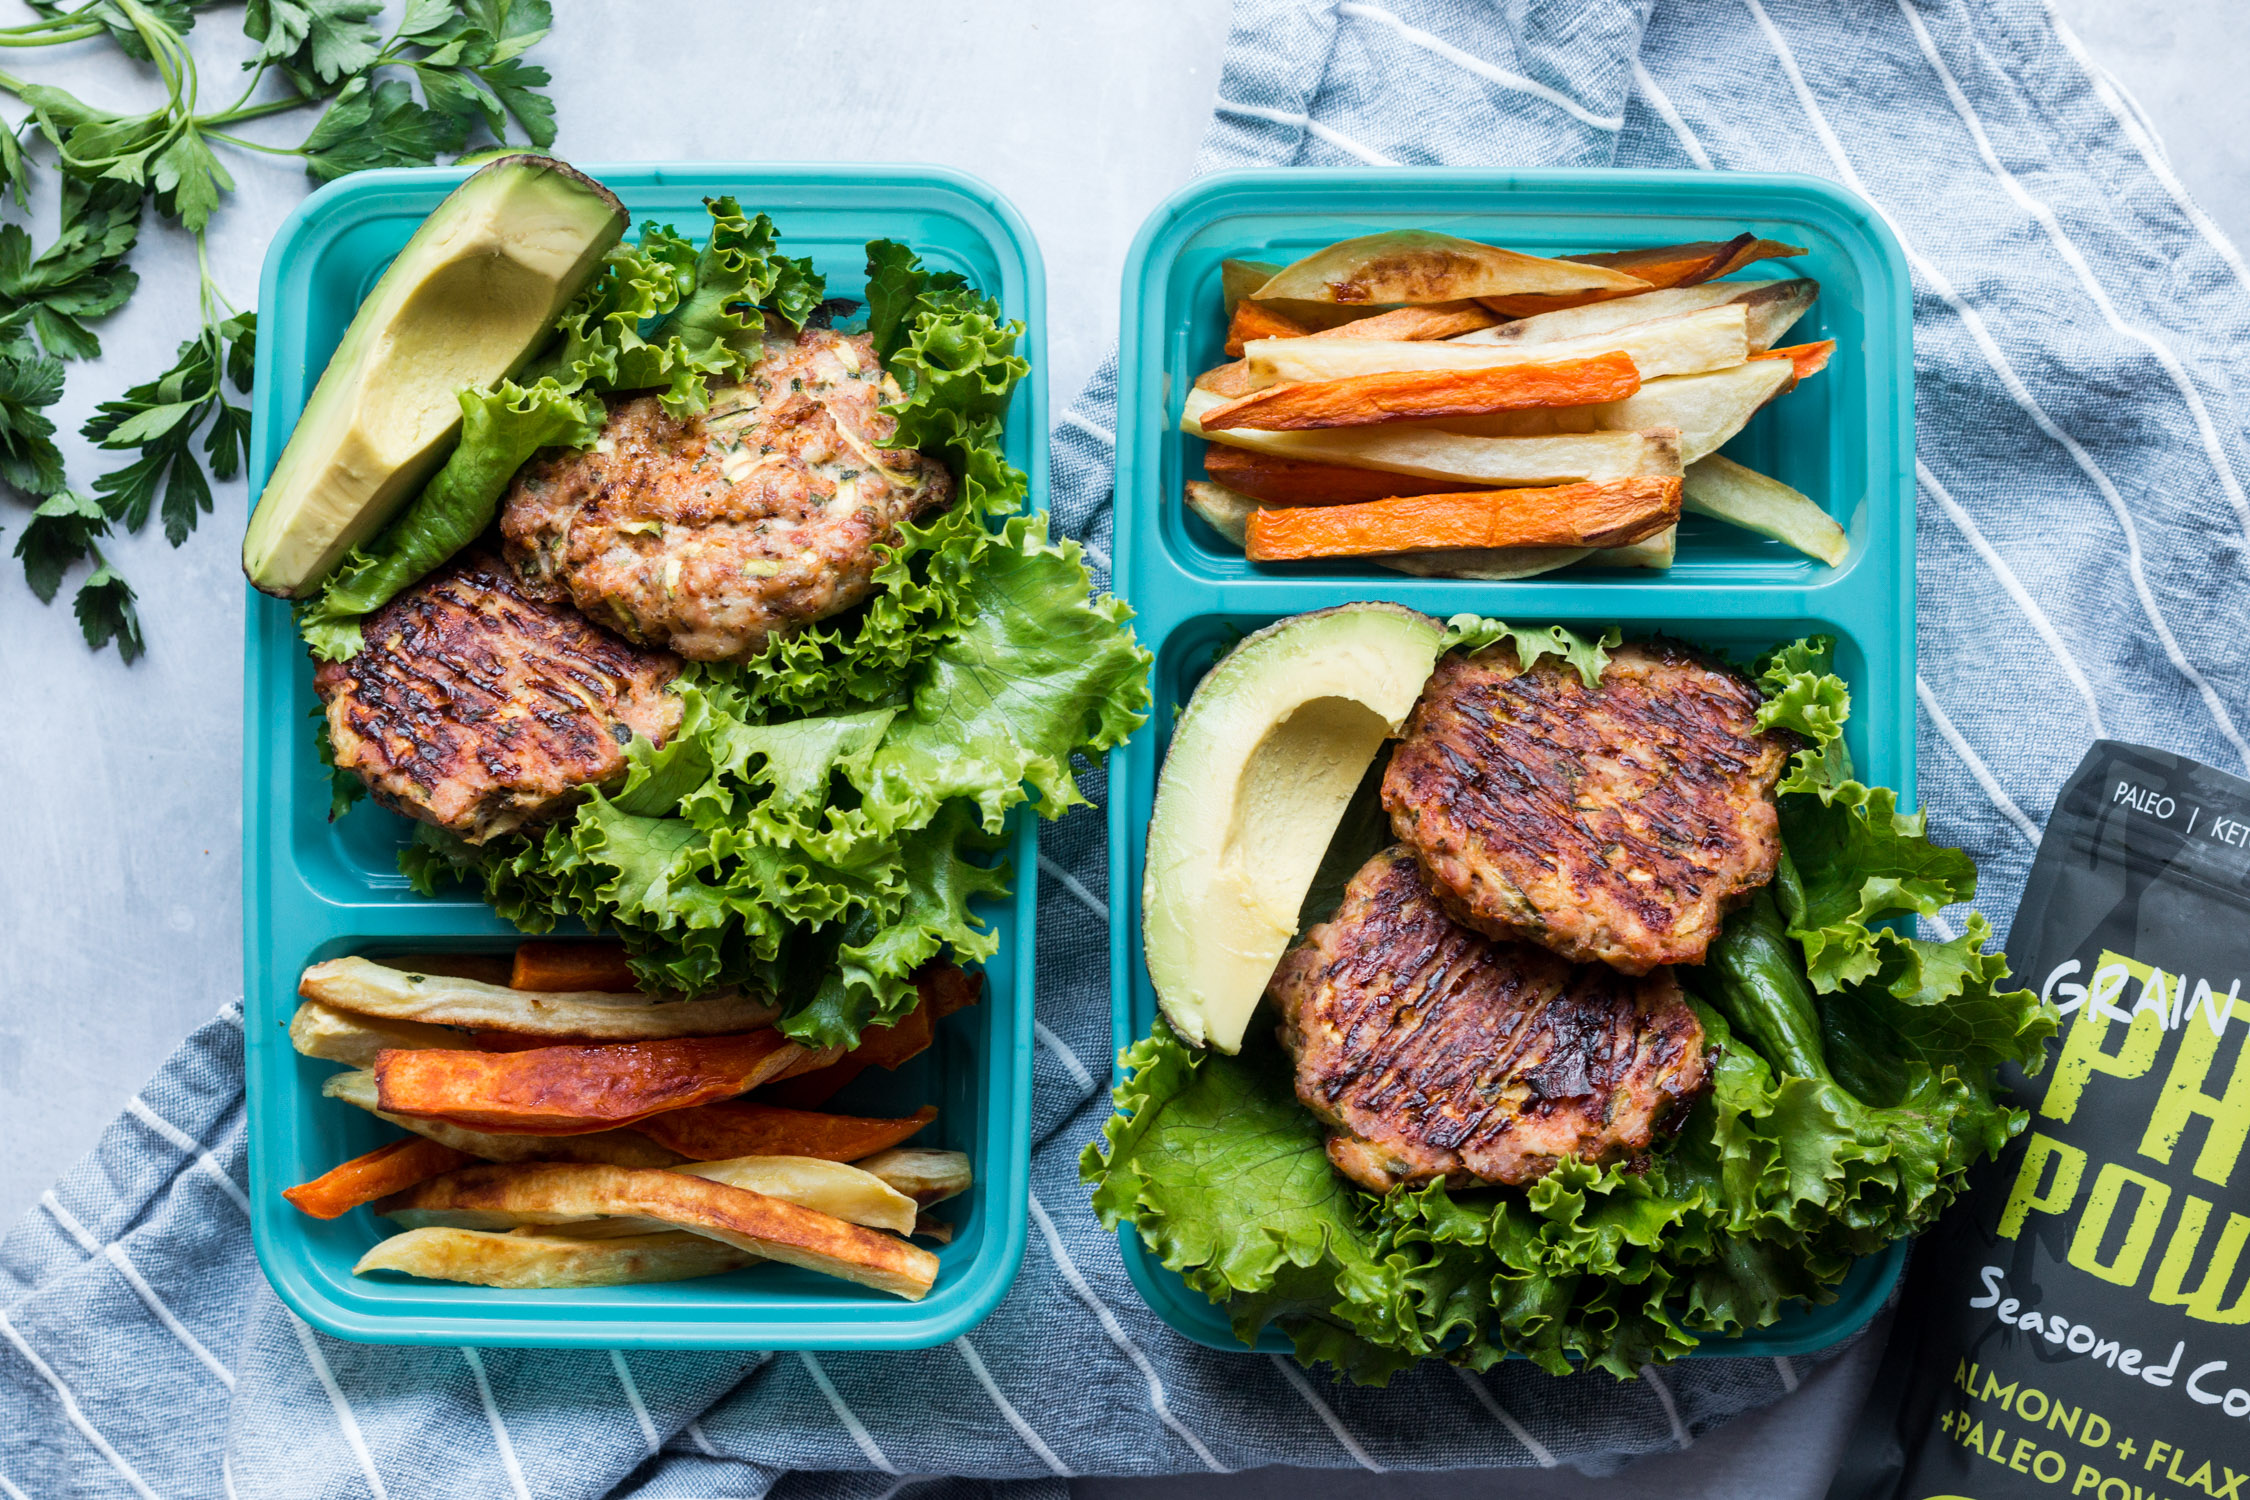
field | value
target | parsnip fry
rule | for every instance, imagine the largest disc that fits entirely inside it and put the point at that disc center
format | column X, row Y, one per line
column 1486, row 565
column 549, row 1193
column 1434, row 452
column 615, row 1148
column 1650, row 552
column 521, row 1262
column 1770, row 308
column 931, row 1227
column 1576, row 515
column 1712, row 339
column 1428, row 395
column 571, row 966
column 484, row 968
column 1289, row 481
column 851, row 1193
column 923, row 1173
column 739, row 1127
column 578, row 1090
column 1225, row 511
column 1659, row 266
column 370, row 989
column 332, row 1035
column 1418, row 266
column 1239, row 278
column 1718, row 486
column 377, row 1174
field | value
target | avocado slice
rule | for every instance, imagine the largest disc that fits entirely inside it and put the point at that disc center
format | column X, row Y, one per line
column 1263, row 761
column 466, row 303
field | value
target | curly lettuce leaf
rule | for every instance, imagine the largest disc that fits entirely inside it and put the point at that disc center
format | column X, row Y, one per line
column 500, row 430
column 1777, row 1183
column 1586, row 657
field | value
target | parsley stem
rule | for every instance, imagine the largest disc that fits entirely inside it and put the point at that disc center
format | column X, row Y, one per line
column 11, row 37
column 203, row 125
column 240, row 112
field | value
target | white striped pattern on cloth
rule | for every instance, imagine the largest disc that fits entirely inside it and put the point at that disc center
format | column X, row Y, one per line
column 2081, row 443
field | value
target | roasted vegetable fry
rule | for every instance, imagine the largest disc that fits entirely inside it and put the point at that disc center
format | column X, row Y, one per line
column 1239, row 278
column 1713, row 339
column 332, row 1035
column 1770, row 307
column 385, row 1170
column 1417, row 266
column 578, row 1090
column 1574, row 515
column 1804, row 359
column 1224, row 510
column 519, row 1262
column 739, row 1127
column 1707, row 410
column 850, row 1193
column 1228, row 513
column 1254, row 320
column 562, row 965
column 615, row 1148
column 1471, row 457
column 1659, row 266
column 931, row 1227
column 371, row 989
column 1718, row 486
column 484, row 968
column 1428, row 395
column 1289, row 481
column 1227, row 380
column 550, row 1193
column 923, row 1173
column 1438, row 320
column 943, row 989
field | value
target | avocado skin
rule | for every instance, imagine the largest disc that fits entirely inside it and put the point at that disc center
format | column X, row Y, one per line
column 468, row 300
column 1266, row 733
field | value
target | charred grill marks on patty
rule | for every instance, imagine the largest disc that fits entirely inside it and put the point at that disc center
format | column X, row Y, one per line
column 1434, row 1052
column 1617, row 823
column 757, row 517
column 480, row 709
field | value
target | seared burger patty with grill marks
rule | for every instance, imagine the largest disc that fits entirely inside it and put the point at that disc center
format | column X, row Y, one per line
column 1617, row 823
column 479, row 709
column 759, row 516
column 1434, row 1052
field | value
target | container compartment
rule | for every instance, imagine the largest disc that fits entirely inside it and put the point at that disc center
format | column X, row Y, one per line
column 315, row 890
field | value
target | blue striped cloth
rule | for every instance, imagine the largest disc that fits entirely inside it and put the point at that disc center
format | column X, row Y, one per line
column 2082, row 533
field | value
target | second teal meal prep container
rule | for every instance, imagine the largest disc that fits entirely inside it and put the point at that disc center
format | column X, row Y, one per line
column 1845, row 437
column 314, row 891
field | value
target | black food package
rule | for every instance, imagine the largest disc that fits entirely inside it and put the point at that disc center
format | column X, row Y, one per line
column 2078, row 1324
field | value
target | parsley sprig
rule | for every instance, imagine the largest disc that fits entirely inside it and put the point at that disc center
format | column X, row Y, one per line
column 463, row 58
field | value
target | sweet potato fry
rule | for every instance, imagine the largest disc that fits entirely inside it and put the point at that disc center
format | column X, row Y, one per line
column 332, row 1035
column 387, row 1169
column 519, row 1261
column 578, row 1090
column 943, row 988
column 493, row 1197
column 1660, row 266
column 1428, row 395
column 1572, row 515
column 1804, row 359
column 715, row 1132
column 560, row 964
column 1437, row 320
column 372, row 989
column 922, row 1173
column 1292, row 481
column 1253, row 320
column 613, row 1148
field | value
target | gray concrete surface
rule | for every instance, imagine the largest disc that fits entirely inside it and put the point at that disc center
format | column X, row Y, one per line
column 120, row 913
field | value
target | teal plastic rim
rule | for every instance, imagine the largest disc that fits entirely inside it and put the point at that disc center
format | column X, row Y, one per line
column 1846, row 438
column 312, row 890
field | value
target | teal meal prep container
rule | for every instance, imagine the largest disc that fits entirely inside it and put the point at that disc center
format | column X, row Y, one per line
column 1845, row 437
column 313, row 890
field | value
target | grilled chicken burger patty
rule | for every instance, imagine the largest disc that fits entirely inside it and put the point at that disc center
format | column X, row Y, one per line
column 1616, row 823
column 479, row 709
column 759, row 516
column 1434, row 1052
